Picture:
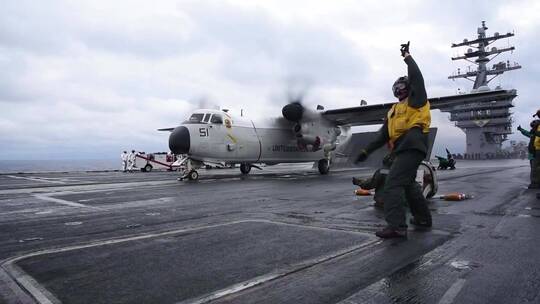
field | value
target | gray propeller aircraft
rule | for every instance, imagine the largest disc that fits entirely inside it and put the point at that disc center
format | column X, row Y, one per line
column 300, row 134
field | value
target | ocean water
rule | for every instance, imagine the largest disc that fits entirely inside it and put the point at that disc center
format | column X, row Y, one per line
column 68, row 165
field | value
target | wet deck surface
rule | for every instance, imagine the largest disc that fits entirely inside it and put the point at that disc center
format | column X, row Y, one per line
column 275, row 236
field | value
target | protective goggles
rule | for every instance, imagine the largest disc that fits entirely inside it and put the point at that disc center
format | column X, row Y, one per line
column 398, row 87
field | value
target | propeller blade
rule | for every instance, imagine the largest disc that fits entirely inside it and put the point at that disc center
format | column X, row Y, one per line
column 293, row 111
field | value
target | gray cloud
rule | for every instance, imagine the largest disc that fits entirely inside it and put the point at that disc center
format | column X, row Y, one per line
column 256, row 47
column 37, row 27
column 86, row 79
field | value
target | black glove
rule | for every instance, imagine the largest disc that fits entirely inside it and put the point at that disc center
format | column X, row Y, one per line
column 519, row 128
column 362, row 156
column 405, row 48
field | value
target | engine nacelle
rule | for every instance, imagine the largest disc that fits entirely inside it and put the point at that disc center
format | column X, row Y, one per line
column 293, row 111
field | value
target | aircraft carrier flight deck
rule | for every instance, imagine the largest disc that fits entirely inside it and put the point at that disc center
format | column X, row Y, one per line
column 281, row 235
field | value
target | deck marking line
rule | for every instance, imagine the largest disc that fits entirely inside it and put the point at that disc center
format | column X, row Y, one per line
column 29, row 210
column 15, row 294
column 277, row 274
column 37, row 179
column 89, row 187
column 452, row 292
column 313, row 227
column 153, row 235
column 41, row 294
column 48, row 198
column 36, row 290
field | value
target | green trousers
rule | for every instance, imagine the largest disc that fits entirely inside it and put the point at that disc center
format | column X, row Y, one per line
column 401, row 188
column 535, row 169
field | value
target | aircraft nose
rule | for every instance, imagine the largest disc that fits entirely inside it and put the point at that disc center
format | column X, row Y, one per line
column 179, row 140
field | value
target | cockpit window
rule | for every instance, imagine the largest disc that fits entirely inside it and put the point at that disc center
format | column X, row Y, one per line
column 195, row 118
column 206, row 117
column 216, row 119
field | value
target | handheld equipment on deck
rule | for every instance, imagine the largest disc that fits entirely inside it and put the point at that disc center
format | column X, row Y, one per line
column 160, row 160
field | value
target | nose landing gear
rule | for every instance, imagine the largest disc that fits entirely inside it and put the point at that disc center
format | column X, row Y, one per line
column 245, row 168
column 193, row 175
column 187, row 168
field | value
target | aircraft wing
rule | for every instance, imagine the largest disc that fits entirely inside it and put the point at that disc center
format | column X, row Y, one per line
column 166, row 129
column 375, row 114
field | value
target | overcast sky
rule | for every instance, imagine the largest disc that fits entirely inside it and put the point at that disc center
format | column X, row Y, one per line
column 88, row 79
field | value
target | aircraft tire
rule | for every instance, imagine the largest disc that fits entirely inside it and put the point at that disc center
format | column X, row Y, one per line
column 324, row 166
column 430, row 182
column 193, row 175
column 245, row 168
column 147, row 168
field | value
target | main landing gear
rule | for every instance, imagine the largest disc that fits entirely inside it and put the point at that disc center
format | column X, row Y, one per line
column 245, row 168
column 324, row 166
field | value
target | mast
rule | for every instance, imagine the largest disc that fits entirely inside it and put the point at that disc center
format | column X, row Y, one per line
column 486, row 123
column 483, row 56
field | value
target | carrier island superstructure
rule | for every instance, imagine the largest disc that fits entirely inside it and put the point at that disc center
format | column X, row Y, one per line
column 487, row 123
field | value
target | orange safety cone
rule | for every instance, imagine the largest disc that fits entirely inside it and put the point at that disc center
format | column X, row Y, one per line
column 454, row 196
column 362, row 192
